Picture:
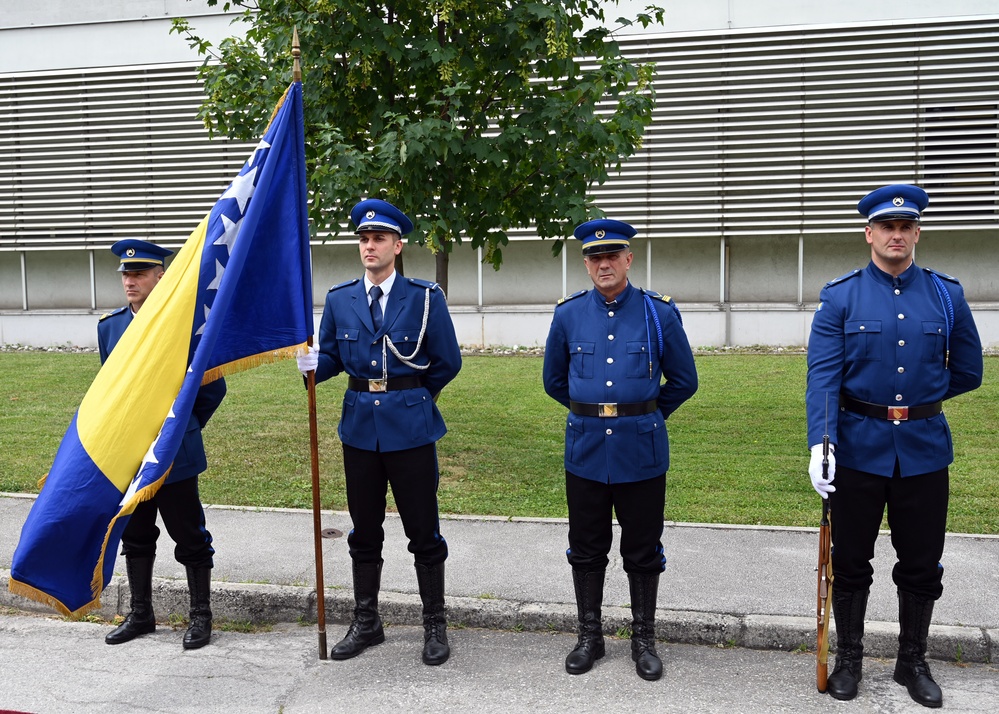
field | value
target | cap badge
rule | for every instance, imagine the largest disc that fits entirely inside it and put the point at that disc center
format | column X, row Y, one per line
column 130, row 252
column 898, row 200
column 600, row 234
column 369, row 214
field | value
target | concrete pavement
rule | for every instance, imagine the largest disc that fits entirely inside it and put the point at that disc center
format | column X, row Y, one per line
column 52, row 666
column 738, row 586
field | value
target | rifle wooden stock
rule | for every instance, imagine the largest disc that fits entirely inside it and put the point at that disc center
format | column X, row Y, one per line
column 825, row 585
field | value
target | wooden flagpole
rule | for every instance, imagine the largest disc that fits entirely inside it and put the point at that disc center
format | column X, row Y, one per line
column 296, row 53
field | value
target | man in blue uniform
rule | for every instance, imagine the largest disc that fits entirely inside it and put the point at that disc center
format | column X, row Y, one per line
column 888, row 345
column 394, row 338
column 606, row 353
column 178, row 503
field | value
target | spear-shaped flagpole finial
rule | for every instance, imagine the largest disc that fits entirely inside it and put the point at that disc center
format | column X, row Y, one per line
column 296, row 53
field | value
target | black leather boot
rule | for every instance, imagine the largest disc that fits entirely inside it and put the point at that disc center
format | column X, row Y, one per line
column 140, row 620
column 644, row 595
column 589, row 648
column 849, row 608
column 199, row 631
column 431, row 582
column 911, row 670
column 366, row 628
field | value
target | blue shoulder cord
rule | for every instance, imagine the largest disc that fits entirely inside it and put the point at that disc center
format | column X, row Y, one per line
column 649, row 307
column 948, row 309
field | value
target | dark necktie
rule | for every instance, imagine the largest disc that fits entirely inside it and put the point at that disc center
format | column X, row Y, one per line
column 376, row 308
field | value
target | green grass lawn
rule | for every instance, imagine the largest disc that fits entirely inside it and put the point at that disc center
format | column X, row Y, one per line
column 738, row 447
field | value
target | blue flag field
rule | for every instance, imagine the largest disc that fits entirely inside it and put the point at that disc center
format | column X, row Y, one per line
column 238, row 294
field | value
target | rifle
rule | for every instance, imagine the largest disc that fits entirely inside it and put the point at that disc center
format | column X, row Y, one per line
column 825, row 584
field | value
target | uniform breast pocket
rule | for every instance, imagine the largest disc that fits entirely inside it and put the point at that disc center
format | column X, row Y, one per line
column 581, row 359
column 346, row 338
column 863, row 340
column 934, row 340
column 639, row 359
column 405, row 341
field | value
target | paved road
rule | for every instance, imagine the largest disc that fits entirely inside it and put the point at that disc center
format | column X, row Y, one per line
column 52, row 666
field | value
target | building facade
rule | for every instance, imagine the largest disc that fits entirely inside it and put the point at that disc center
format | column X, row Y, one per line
column 771, row 121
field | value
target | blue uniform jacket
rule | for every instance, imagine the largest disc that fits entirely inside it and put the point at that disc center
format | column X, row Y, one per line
column 882, row 340
column 394, row 420
column 190, row 460
column 599, row 354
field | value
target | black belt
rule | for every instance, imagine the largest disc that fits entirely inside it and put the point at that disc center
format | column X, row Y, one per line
column 878, row 411
column 611, row 409
column 383, row 385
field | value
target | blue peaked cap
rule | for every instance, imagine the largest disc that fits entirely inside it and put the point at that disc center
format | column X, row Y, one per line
column 899, row 200
column 138, row 254
column 604, row 235
column 374, row 214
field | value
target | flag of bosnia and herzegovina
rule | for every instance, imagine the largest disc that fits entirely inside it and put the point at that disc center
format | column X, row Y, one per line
column 238, row 294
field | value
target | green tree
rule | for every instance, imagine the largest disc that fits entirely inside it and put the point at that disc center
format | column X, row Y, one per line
column 472, row 116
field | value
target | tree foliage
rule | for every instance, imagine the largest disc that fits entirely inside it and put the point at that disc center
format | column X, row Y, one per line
column 475, row 117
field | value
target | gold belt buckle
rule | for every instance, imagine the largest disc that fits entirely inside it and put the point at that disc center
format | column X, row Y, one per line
column 377, row 385
column 898, row 413
column 607, row 409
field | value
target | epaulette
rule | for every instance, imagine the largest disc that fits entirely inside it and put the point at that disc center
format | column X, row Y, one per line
column 656, row 296
column 652, row 294
column 567, row 298
column 113, row 312
column 841, row 278
column 942, row 275
column 424, row 283
column 343, row 285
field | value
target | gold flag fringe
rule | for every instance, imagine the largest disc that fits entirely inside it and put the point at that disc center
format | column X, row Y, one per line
column 241, row 365
column 276, row 108
column 32, row 593
column 41, row 481
column 97, row 582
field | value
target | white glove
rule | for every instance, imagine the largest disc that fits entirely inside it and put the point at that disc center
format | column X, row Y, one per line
column 309, row 361
column 822, row 486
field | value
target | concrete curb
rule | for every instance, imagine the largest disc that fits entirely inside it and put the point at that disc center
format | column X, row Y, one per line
column 259, row 603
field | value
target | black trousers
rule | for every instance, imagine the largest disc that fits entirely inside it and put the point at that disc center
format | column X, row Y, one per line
column 917, row 517
column 180, row 506
column 639, row 508
column 413, row 476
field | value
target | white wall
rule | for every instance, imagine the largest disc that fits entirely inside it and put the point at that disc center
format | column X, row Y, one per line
column 69, row 34
column 694, row 15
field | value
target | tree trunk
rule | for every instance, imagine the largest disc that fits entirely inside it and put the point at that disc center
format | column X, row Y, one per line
column 442, row 259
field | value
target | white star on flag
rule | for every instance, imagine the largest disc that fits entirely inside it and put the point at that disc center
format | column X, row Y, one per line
column 202, row 328
column 259, row 147
column 228, row 239
column 219, row 270
column 241, row 189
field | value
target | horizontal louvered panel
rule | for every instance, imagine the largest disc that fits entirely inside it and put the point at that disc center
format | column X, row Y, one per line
column 754, row 133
